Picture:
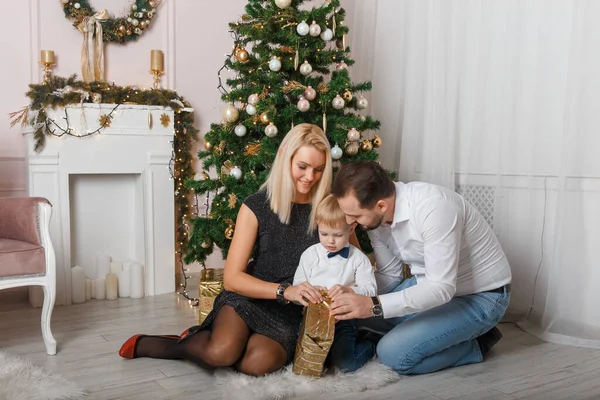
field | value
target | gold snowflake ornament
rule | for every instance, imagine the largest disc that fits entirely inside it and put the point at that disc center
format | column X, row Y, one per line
column 165, row 120
column 232, row 200
column 105, row 120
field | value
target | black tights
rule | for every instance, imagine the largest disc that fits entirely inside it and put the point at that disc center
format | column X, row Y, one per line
column 230, row 343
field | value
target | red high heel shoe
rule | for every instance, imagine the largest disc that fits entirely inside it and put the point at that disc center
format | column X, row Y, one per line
column 185, row 333
column 129, row 347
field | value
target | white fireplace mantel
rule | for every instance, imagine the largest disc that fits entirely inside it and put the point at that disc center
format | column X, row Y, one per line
column 111, row 192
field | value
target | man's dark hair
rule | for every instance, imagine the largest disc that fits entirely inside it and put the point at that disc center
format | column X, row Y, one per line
column 366, row 180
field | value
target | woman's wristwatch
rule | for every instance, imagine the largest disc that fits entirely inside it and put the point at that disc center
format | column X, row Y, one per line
column 280, row 291
column 376, row 310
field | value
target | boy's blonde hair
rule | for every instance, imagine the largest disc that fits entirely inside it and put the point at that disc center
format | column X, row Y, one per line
column 329, row 214
column 280, row 185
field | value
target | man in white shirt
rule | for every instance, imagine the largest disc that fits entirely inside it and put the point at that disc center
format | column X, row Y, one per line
column 445, row 315
column 338, row 267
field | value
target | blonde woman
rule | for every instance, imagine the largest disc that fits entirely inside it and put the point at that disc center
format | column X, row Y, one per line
column 254, row 322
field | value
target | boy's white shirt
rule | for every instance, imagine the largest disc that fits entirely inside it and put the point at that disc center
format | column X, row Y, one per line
column 356, row 271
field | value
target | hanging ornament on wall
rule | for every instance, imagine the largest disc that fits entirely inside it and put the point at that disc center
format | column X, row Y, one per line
column 264, row 118
column 338, row 103
column 327, row 35
column 341, row 66
column 347, row 95
column 310, row 93
column 377, row 142
column 351, row 148
column 362, row 103
column 336, row 152
column 302, row 28
column 366, row 146
column 229, row 232
column 230, row 113
column 303, row 104
column 240, row 130
column 314, row 29
column 283, row 3
column 250, row 109
column 353, row 135
column 275, row 64
column 305, row 68
column 271, row 130
column 236, row 172
column 253, row 99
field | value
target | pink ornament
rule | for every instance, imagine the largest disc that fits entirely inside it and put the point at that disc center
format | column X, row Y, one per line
column 353, row 135
column 310, row 93
column 303, row 105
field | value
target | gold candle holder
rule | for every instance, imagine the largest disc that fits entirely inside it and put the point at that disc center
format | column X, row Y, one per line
column 156, row 77
column 47, row 60
column 157, row 66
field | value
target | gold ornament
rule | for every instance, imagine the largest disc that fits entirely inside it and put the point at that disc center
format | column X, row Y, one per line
column 206, row 243
column 122, row 28
column 232, row 200
column 242, row 55
column 165, row 120
column 220, row 148
column 366, row 146
column 252, row 149
column 264, row 118
column 128, row 33
column 208, row 145
column 347, row 95
column 143, row 24
column 377, row 142
column 104, row 120
column 226, row 167
column 229, row 232
column 351, row 148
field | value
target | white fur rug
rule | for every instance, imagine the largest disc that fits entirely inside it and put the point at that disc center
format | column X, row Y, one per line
column 285, row 384
column 20, row 379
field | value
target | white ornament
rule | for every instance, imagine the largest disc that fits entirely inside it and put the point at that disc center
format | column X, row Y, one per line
column 310, row 93
column 129, row 19
column 250, row 109
column 236, row 172
column 327, row 34
column 336, row 152
column 240, row 130
column 134, row 7
column 253, row 99
column 353, row 135
column 341, row 66
column 64, row 1
column 362, row 103
column 230, row 113
column 271, row 130
column 302, row 28
column 135, row 22
column 283, row 3
column 77, row 6
column 305, row 68
column 274, row 64
column 199, row 177
column 303, row 105
column 338, row 103
column 314, row 29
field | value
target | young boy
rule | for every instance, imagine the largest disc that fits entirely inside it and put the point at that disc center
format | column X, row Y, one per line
column 338, row 267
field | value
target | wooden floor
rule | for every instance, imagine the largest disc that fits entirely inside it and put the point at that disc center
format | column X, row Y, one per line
column 90, row 334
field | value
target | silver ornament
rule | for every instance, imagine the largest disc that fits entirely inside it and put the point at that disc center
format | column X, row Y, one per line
column 327, row 34
column 314, row 29
column 240, row 130
column 338, row 103
column 236, row 172
column 302, row 28
column 250, row 109
column 271, row 130
column 274, row 64
column 305, row 68
column 336, row 152
column 253, row 99
column 283, row 3
column 362, row 103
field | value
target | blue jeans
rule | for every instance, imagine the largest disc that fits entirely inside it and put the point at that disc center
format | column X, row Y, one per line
column 439, row 338
column 347, row 352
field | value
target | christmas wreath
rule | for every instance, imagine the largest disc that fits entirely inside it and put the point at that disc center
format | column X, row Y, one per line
column 114, row 30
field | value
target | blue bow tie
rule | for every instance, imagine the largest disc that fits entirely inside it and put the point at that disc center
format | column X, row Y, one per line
column 343, row 252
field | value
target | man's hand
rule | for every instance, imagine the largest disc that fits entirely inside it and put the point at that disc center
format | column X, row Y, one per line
column 336, row 290
column 351, row 305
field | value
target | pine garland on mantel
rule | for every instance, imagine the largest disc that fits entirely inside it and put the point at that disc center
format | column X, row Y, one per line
column 60, row 92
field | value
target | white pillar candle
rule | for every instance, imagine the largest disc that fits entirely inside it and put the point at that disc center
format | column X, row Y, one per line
column 100, row 288
column 88, row 289
column 102, row 264
column 77, row 284
column 124, row 279
column 136, row 272
column 112, row 289
column 116, row 268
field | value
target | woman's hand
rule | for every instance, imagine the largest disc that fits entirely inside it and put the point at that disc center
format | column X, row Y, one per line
column 303, row 294
column 336, row 290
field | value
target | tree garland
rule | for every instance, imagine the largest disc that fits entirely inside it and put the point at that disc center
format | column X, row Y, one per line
column 115, row 30
column 60, row 92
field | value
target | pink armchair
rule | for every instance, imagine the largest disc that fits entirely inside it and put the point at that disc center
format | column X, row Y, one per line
column 26, row 253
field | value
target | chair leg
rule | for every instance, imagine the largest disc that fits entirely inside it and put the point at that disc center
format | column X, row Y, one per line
column 49, row 298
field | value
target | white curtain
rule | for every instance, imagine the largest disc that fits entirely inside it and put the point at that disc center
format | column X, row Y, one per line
column 500, row 100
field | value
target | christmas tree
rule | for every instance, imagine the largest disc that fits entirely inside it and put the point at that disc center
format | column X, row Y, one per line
column 288, row 66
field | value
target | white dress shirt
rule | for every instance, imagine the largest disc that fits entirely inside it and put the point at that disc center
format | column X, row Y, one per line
column 355, row 271
column 450, row 248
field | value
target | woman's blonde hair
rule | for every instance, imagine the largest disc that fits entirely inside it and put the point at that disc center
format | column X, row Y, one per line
column 280, row 185
column 329, row 214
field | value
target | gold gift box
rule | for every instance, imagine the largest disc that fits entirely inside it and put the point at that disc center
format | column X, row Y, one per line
column 316, row 338
column 211, row 284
